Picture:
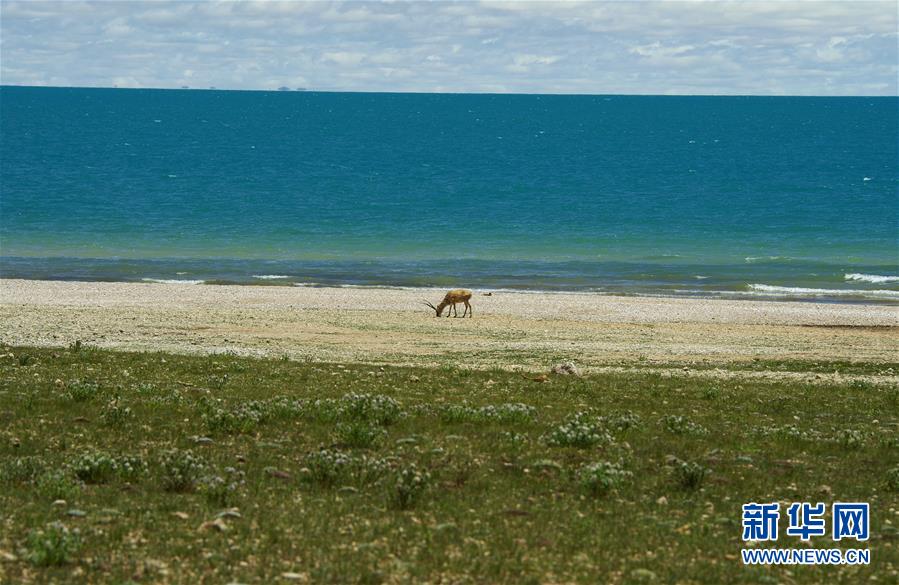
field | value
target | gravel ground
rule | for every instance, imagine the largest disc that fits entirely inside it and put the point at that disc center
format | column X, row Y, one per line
column 519, row 330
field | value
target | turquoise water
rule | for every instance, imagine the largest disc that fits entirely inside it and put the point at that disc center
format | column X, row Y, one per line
column 740, row 196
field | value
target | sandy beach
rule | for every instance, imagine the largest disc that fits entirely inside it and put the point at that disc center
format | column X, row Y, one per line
column 529, row 331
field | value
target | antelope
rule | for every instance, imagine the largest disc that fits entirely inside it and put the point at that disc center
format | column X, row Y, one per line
column 457, row 295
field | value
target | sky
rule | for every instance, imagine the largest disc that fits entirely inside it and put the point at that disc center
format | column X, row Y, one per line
column 746, row 47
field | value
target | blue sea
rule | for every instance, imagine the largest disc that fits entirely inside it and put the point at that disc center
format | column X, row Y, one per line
column 755, row 197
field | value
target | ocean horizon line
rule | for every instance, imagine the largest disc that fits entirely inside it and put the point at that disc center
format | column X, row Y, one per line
column 457, row 93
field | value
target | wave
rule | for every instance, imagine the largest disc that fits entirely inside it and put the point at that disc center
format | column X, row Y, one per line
column 365, row 286
column 821, row 292
column 754, row 259
column 171, row 281
column 270, row 276
column 871, row 278
column 443, row 289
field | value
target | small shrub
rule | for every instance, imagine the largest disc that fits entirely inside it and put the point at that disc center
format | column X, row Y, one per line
column 95, row 467
column 513, row 412
column 83, row 351
column 622, row 421
column 408, row 486
column 581, row 430
column 359, row 434
column 165, row 398
column 681, row 425
column 326, row 466
column 501, row 413
column 456, row 413
column 221, row 491
column 376, row 408
column 850, row 438
column 690, row 475
column 114, row 414
column 286, row 408
column 711, row 393
column 329, row 467
column 863, row 385
column 891, row 396
column 218, row 382
column 243, row 418
column 21, row 469
column 82, row 391
column 25, row 359
column 131, row 468
column 56, row 485
column 181, row 470
column 515, row 439
column 889, row 440
column 600, row 478
column 369, row 470
column 892, row 480
column 146, row 388
column 322, row 409
column 793, row 432
column 52, row 545
column 29, row 399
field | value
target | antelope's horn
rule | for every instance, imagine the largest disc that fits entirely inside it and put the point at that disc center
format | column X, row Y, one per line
column 430, row 305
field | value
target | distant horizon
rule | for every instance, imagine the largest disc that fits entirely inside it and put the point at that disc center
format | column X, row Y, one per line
column 388, row 92
column 746, row 47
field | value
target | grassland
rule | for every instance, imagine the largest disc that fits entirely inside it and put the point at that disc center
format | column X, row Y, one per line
column 151, row 467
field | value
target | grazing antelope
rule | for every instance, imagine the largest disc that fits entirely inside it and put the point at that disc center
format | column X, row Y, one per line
column 457, row 295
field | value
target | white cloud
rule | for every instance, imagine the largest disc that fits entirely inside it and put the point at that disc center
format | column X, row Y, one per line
column 118, row 27
column 721, row 47
column 343, row 57
column 833, row 51
column 525, row 63
column 656, row 49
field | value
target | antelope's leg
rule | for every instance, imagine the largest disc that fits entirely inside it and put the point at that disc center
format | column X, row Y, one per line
column 468, row 308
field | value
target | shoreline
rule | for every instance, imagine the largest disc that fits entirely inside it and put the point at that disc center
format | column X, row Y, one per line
column 760, row 293
column 510, row 330
column 767, row 278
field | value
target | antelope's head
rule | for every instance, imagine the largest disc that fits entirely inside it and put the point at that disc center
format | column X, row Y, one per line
column 437, row 310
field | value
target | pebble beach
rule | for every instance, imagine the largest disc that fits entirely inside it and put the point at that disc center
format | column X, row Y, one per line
column 528, row 331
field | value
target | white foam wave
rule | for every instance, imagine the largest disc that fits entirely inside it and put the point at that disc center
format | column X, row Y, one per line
column 270, row 276
column 821, row 292
column 171, row 281
column 442, row 290
column 361, row 286
column 752, row 259
column 871, row 277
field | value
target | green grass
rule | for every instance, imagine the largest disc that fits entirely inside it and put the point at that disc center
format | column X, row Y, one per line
column 218, row 469
column 803, row 366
